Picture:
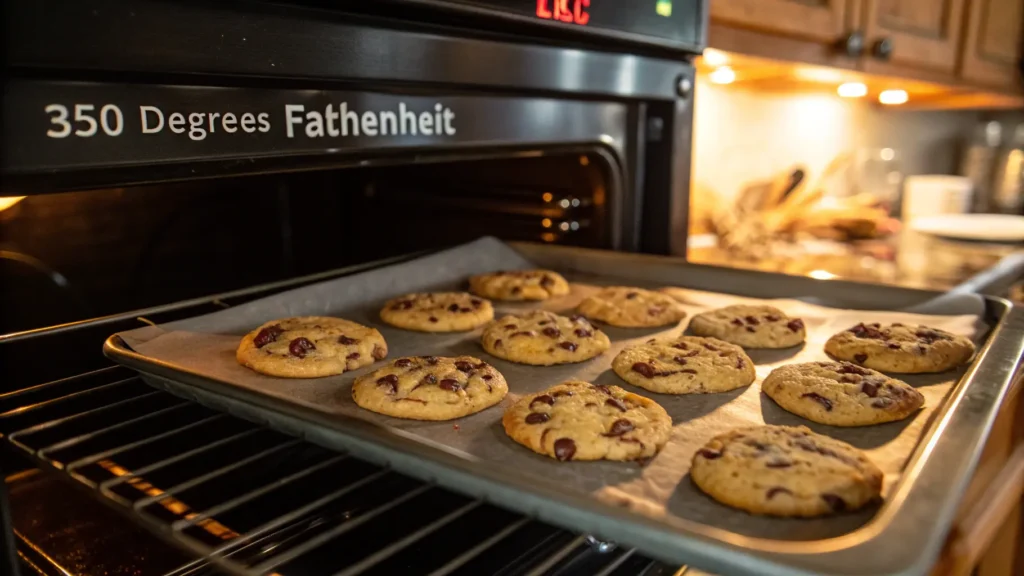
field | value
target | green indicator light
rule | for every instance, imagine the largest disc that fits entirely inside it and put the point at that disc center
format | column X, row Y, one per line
column 664, row 8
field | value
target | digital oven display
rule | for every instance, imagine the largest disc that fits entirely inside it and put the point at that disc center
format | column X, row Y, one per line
column 672, row 20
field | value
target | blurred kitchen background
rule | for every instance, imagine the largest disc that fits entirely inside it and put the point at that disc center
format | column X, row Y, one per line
column 894, row 155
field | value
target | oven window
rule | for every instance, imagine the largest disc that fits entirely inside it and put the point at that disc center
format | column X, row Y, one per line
column 71, row 256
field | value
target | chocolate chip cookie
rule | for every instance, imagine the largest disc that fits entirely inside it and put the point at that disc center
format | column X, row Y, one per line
column 841, row 393
column 785, row 471
column 544, row 338
column 750, row 326
column 430, row 388
column 900, row 348
column 519, row 285
column 437, row 312
column 685, row 365
column 576, row 420
column 632, row 307
column 310, row 347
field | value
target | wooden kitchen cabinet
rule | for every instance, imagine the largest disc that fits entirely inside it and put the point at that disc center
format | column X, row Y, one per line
column 921, row 34
column 821, row 20
column 992, row 49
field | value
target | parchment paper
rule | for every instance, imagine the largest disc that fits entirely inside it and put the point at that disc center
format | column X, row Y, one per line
column 662, row 489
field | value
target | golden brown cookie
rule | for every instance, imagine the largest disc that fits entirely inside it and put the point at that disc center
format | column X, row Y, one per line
column 632, row 307
column 785, row 471
column 900, row 348
column 519, row 285
column 576, row 420
column 841, row 394
column 430, row 388
column 685, row 365
column 750, row 326
column 310, row 347
column 544, row 338
column 438, row 312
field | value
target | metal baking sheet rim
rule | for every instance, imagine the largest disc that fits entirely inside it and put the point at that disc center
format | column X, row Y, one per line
column 697, row 544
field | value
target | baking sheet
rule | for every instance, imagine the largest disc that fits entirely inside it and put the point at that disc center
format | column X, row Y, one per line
column 206, row 345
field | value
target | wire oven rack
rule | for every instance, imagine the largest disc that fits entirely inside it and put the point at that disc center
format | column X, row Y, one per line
column 250, row 500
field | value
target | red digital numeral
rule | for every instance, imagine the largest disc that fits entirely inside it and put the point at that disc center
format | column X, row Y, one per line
column 560, row 10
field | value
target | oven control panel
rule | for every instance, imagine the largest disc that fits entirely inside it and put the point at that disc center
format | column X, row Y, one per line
column 668, row 22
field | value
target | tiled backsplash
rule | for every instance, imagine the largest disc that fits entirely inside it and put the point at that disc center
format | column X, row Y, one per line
column 742, row 136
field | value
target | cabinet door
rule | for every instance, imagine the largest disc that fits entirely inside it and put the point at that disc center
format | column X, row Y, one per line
column 995, row 33
column 824, row 20
column 923, row 33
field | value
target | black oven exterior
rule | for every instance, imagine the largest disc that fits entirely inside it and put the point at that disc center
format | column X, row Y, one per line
column 494, row 84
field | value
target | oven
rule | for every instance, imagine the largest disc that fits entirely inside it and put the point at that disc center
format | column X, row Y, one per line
column 165, row 159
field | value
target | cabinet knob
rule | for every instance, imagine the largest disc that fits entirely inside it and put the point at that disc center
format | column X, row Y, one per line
column 882, row 49
column 853, row 44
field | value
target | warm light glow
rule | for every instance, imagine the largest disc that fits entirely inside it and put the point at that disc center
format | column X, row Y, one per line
column 887, row 154
column 548, row 237
column 7, row 202
column 893, row 97
column 821, row 274
column 713, row 57
column 584, row 161
column 827, row 75
column 852, row 90
column 723, row 75
column 547, row 196
column 546, row 222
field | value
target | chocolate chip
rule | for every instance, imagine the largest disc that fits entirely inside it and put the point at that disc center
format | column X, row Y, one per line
column 681, row 346
column 710, row 347
column 795, row 325
column 860, row 358
column 497, row 343
column 267, row 335
column 834, row 502
column 779, row 464
column 571, row 347
column 881, row 403
column 691, row 353
column 352, row 356
column 929, row 336
column 428, row 380
column 632, row 295
column 619, row 427
column 543, row 323
column 565, row 449
column 870, row 389
column 772, row 318
column 402, row 305
column 561, row 393
column 819, row 399
column 453, row 308
column 739, row 362
column 603, row 388
column 751, row 320
column 921, row 349
column 868, row 331
column 737, row 322
column 578, row 318
column 464, row 310
column 709, row 454
column 583, row 333
column 537, row 418
column 644, row 369
column 487, row 377
column 893, row 345
column 300, row 347
column 379, row 352
column 346, row 340
column 390, row 381
column 510, row 327
column 616, row 403
column 777, row 490
column 751, row 329
column 433, row 319
column 687, row 371
column 517, row 290
column 547, row 281
column 476, row 303
column 450, row 385
column 543, row 399
column 464, row 366
column 655, row 310
column 847, row 368
column 552, row 332
column 523, row 333
column 402, row 363
column 432, row 360
column 679, row 360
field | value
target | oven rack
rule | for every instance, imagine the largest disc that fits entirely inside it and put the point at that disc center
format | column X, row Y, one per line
column 250, row 500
